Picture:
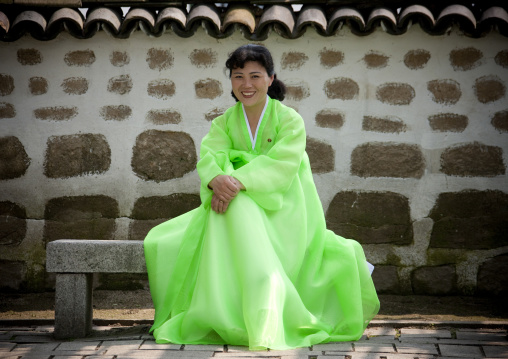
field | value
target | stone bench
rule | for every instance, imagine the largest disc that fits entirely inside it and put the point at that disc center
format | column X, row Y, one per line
column 74, row 262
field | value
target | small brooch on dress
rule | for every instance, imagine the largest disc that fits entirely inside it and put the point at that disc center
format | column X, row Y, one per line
column 269, row 140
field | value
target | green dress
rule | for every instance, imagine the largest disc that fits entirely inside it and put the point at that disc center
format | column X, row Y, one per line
column 267, row 273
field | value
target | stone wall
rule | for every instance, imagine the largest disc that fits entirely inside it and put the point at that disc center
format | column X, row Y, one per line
column 407, row 136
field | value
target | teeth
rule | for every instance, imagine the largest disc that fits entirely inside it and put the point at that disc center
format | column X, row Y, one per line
column 248, row 93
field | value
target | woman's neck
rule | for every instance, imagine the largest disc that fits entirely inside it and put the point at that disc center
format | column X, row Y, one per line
column 254, row 114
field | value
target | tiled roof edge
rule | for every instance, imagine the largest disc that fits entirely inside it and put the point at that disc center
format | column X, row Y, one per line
column 255, row 25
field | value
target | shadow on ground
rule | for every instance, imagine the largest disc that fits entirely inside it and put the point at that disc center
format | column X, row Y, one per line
column 137, row 305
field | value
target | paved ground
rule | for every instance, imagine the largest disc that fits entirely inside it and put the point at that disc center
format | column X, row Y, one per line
column 383, row 340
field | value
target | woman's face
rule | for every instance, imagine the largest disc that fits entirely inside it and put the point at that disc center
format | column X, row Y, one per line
column 250, row 84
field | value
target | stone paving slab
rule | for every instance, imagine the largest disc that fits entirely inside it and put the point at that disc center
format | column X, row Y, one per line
column 495, row 351
column 461, row 351
column 213, row 348
column 333, row 347
column 425, row 333
column 377, row 343
column 429, row 349
column 479, row 336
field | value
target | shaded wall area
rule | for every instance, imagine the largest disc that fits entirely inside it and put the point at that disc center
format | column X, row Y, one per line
column 407, row 136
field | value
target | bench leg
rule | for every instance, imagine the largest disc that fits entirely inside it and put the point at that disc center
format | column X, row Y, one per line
column 73, row 305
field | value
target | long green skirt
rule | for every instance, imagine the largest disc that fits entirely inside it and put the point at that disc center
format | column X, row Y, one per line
column 258, row 278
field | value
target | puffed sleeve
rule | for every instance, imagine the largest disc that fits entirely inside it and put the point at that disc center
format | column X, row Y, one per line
column 267, row 177
column 213, row 160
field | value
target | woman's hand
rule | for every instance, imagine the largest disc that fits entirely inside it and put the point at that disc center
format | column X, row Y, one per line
column 218, row 205
column 225, row 188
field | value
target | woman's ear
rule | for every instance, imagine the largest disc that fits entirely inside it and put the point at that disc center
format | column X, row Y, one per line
column 271, row 80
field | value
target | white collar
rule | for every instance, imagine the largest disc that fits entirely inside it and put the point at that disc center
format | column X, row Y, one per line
column 253, row 139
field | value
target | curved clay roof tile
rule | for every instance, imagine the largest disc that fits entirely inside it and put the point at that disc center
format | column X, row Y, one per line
column 142, row 18
column 385, row 17
column 494, row 17
column 206, row 15
column 173, row 17
column 417, row 13
column 109, row 19
column 32, row 17
column 351, row 16
column 461, row 14
column 277, row 15
column 313, row 16
column 240, row 15
column 4, row 23
column 65, row 19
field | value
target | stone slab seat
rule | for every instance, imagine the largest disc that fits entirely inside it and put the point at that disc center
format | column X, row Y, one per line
column 75, row 261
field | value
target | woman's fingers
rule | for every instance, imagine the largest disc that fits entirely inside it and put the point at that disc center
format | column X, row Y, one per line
column 225, row 187
column 219, row 206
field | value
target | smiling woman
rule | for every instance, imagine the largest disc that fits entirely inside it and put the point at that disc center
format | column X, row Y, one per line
column 255, row 264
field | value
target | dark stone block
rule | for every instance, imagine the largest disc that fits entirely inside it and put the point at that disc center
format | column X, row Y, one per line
column 216, row 112
column 163, row 155
column 465, row 59
column 395, row 93
column 493, row 276
column 165, row 207
column 12, row 274
column 473, row 160
column 386, row 280
column 440, row 280
column 375, row 60
column 7, row 110
column 76, row 155
column 470, row 219
column 163, row 117
column 208, row 88
column 386, row 125
column 502, row 58
column 38, row 85
column 448, row 122
column 416, row 59
column 29, row 57
column 203, row 58
column 122, row 281
column 297, row 92
column 120, row 84
column 75, row 85
column 80, row 58
column 387, row 160
column 80, row 217
column 115, row 113
column 341, row 88
column 331, row 58
column 293, row 60
column 56, row 113
column 119, row 58
column 6, row 84
column 159, row 59
column 148, row 212
column 371, row 217
column 14, row 160
column 330, row 118
column 13, row 219
column 489, row 89
column 446, row 92
column 500, row 121
column 161, row 88
column 321, row 156
column 138, row 229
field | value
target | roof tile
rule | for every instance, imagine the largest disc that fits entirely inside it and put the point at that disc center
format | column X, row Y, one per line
column 240, row 15
column 313, row 16
column 255, row 22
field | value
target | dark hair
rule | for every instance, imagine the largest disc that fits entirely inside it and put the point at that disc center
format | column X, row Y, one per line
column 261, row 55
